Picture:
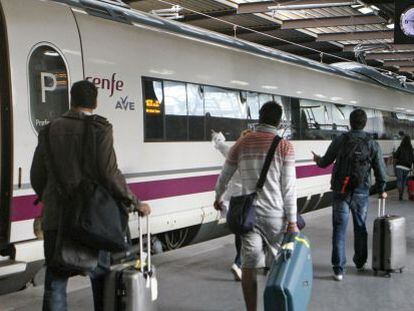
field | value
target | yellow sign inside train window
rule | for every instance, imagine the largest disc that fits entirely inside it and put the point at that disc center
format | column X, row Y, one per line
column 152, row 106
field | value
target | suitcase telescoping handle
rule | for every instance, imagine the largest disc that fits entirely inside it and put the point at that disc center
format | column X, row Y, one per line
column 381, row 207
column 141, row 244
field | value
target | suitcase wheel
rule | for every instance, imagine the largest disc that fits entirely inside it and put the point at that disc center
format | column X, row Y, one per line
column 387, row 275
column 401, row 270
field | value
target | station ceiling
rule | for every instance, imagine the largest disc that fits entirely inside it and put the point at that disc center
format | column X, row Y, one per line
column 323, row 30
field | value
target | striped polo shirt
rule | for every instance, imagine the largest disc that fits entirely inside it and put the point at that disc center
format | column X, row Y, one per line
column 278, row 197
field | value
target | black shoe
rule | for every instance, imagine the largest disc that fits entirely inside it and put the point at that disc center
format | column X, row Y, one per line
column 361, row 268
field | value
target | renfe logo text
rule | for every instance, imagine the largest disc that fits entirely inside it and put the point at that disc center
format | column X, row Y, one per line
column 107, row 84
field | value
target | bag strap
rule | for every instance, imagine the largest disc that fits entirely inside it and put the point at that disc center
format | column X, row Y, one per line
column 268, row 161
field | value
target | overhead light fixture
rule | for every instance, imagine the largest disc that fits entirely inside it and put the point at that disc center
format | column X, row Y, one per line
column 365, row 10
column 270, row 87
column 238, row 82
column 164, row 72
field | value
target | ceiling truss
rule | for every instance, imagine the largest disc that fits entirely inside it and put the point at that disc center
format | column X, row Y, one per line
column 327, row 30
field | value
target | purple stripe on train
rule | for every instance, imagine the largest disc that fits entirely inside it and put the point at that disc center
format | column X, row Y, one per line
column 24, row 208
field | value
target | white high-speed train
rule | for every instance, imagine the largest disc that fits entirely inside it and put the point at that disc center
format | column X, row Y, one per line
column 164, row 86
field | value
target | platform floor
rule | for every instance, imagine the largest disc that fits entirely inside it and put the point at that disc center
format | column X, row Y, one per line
column 198, row 278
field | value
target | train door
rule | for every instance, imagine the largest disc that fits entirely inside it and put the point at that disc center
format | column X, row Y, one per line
column 5, row 136
column 45, row 57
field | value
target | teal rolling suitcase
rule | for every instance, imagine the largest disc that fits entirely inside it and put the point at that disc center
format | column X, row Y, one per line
column 289, row 283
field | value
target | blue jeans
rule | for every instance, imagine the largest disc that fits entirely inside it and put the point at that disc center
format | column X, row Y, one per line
column 357, row 203
column 402, row 178
column 54, row 298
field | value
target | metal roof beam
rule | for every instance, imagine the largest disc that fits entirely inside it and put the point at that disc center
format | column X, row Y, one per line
column 332, row 21
column 242, row 31
column 329, row 58
column 395, row 47
column 359, row 35
column 390, row 55
column 263, row 6
column 398, row 63
column 306, row 48
column 407, row 68
column 197, row 17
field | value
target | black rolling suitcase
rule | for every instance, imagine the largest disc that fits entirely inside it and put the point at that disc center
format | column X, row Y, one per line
column 132, row 286
column 389, row 246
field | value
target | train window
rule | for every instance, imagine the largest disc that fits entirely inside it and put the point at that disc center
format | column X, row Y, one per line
column 316, row 120
column 175, row 104
column 48, row 84
column 225, row 111
column 224, row 103
column 398, row 122
column 401, row 116
column 264, row 98
column 153, row 110
column 374, row 122
column 380, row 125
column 287, row 130
column 410, row 117
column 340, row 117
column 252, row 102
column 195, row 100
column 180, row 111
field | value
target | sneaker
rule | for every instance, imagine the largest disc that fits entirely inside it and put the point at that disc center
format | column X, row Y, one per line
column 338, row 277
column 236, row 272
column 361, row 268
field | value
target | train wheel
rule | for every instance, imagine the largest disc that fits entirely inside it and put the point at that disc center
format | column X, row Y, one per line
column 175, row 239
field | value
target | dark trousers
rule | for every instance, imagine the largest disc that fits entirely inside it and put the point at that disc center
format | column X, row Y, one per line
column 237, row 242
column 55, row 296
column 357, row 205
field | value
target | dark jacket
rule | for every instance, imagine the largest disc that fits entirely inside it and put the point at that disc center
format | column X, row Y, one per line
column 66, row 138
column 404, row 157
column 377, row 162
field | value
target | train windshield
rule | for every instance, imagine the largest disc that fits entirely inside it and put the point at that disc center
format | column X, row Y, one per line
column 48, row 81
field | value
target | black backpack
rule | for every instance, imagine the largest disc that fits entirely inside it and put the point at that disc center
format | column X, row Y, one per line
column 353, row 162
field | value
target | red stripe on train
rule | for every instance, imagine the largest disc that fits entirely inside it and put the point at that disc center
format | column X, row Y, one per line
column 24, row 209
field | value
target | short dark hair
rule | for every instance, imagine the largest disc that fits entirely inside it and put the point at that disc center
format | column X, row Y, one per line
column 358, row 119
column 84, row 94
column 270, row 113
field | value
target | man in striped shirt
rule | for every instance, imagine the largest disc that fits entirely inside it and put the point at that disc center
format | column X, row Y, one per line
column 275, row 204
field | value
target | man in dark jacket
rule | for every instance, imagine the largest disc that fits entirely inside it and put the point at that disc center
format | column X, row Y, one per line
column 66, row 138
column 355, row 200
